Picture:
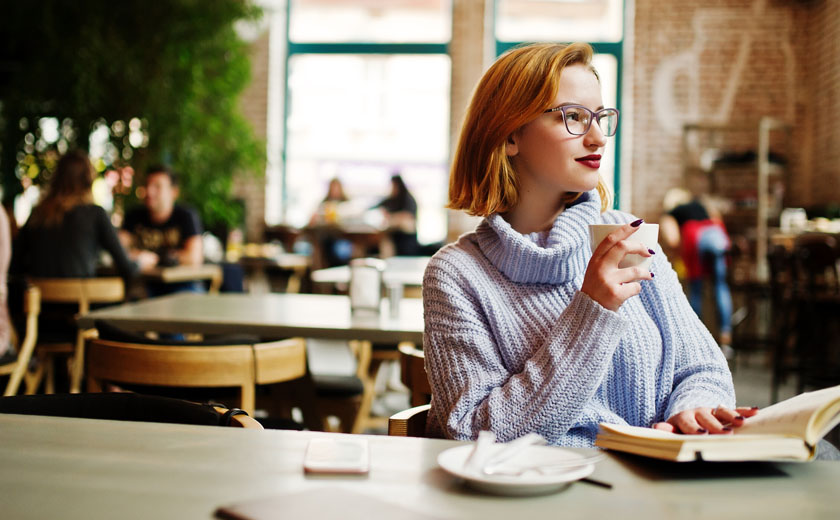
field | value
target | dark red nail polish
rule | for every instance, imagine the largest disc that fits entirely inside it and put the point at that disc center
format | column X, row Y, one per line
column 739, row 418
column 637, row 223
column 651, row 251
column 651, row 275
column 701, row 430
column 727, row 429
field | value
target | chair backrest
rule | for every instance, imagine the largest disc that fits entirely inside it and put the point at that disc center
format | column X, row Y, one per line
column 170, row 365
column 413, row 373
column 82, row 291
column 409, row 423
column 25, row 344
column 176, row 365
column 125, row 406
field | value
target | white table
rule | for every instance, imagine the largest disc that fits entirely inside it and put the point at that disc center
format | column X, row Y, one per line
column 266, row 315
column 80, row 468
column 403, row 270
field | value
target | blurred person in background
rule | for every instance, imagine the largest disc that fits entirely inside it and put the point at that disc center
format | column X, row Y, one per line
column 170, row 231
column 63, row 238
column 400, row 209
column 66, row 231
column 335, row 249
column 691, row 224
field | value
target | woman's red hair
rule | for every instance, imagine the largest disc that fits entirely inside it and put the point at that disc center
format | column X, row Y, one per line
column 515, row 90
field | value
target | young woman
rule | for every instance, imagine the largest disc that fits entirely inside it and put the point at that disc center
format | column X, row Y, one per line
column 66, row 231
column 527, row 329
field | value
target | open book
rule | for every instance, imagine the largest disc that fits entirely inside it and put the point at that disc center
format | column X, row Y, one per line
column 786, row 430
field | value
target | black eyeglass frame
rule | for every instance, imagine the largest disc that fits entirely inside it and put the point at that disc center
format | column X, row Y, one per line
column 592, row 117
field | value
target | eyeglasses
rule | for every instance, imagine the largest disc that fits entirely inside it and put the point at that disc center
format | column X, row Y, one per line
column 578, row 119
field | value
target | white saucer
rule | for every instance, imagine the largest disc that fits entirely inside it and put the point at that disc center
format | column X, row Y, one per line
column 528, row 483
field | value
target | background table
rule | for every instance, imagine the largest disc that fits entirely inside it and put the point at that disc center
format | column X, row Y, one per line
column 79, row 468
column 257, row 271
column 404, row 270
column 266, row 315
column 187, row 273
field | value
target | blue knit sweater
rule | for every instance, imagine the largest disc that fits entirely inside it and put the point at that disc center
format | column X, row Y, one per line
column 513, row 346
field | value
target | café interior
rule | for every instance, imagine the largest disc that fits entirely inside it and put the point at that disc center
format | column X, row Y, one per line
column 283, row 374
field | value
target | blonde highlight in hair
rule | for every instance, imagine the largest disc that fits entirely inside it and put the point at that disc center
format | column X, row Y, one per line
column 516, row 89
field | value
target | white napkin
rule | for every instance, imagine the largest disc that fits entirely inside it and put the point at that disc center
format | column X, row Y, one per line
column 487, row 452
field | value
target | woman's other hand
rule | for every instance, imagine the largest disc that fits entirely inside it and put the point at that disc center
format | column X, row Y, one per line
column 706, row 420
column 604, row 281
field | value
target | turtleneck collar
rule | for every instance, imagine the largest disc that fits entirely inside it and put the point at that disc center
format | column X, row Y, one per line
column 554, row 256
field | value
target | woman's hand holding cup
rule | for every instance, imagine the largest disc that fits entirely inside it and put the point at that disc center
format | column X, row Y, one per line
column 618, row 263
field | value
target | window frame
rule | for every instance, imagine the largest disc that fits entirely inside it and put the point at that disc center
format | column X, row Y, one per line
column 385, row 48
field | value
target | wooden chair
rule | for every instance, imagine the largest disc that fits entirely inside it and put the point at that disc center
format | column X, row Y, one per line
column 17, row 369
column 409, row 423
column 412, row 422
column 239, row 420
column 127, row 406
column 82, row 292
column 196, row 366
column 347, row 397
column 413, row 373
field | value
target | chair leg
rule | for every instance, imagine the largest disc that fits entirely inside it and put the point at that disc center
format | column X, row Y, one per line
column 363, row 413
column 33, row 379
column 247, row 398
column 20, row 369
column 348, row 414
column 49, row 373
column 78, row 364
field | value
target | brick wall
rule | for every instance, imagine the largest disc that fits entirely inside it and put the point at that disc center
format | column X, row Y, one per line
column 821, row 101
column 731, row 62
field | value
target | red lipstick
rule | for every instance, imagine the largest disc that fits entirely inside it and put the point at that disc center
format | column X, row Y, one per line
column 592, row 161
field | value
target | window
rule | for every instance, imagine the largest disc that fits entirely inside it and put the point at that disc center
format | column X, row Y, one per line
column 370, row 21
column 559, row 20
column 361, row 117
column 367, row 95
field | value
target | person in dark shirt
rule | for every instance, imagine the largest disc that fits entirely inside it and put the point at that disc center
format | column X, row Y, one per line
column 63, row 238
column 66, row 231
column 401, row 217
column 703, row 243
column 169, row 230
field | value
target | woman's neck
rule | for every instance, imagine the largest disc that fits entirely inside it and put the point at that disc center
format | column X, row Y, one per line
column 534, row 213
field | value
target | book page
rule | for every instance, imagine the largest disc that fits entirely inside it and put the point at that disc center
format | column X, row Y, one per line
column 794, row 416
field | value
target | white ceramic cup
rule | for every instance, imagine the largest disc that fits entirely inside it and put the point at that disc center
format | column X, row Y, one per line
column 647, row 234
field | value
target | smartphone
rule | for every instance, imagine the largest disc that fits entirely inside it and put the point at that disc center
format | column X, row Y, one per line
column 347, row 454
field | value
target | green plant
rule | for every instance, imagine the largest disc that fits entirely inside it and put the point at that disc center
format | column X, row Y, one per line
column 178, row 66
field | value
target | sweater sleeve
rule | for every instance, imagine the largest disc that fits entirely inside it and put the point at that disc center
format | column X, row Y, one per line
column 701, row 375
column 473, row 389
column 111, row 243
